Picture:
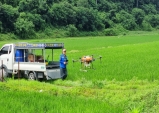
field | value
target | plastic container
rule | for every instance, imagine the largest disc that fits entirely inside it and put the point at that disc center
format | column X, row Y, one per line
column 19, row 55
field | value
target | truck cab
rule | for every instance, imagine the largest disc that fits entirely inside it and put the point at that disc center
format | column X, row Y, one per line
column 6, row 57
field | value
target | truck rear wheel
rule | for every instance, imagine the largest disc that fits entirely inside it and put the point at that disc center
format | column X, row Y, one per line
column 31, row 76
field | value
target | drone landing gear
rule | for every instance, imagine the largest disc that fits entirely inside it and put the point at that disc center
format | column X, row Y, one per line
column 83, row 70
column 84, row 65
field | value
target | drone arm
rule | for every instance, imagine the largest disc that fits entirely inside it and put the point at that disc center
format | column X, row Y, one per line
column 74, row 60
column 100, row 58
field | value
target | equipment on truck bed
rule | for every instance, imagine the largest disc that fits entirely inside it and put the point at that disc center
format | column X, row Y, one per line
column 86, row 62
column 31, row 60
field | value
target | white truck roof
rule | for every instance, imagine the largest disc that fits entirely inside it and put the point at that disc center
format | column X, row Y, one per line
column 25, row 45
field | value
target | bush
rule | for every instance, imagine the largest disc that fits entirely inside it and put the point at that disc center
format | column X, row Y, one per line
column 157, row 27
column 116, row 30
column 146, row 26
column 7, row 37
column 72, row 31
column 111, row 32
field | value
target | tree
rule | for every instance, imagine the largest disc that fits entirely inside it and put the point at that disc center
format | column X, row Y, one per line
column 126, row 20
column 62, row 14
column 13, row 3
column 37, row 20
column 88, row 19
column 8, row 16
column 35, row 6
column 0, row 26
column 83, row 3
column 139, row 15
column 153, row 20
column 49, row 2
column 105, row 6
column 23, row 27
column 149, row 9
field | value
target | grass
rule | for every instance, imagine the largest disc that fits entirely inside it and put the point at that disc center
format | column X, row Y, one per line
column 48, row 98
column 125, row 81
column 43, row 103
column 80, row 96
column 120, row 62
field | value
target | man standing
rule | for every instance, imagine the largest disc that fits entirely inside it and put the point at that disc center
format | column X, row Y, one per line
column 63, row 64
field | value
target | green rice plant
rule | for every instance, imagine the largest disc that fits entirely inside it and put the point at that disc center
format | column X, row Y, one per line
column 116, row 96
column 123, row 62
column 31, row 102
column 123, row 57
column 126, row 79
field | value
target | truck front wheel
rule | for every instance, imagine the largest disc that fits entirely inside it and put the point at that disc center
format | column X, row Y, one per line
column 31, row 76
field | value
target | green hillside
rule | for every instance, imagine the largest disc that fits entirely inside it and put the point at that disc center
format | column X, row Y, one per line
column 28, row 19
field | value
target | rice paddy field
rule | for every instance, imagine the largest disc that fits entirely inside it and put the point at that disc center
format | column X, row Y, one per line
column 126, row 80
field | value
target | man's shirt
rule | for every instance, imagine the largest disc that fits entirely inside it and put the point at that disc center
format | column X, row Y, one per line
column 63, row 58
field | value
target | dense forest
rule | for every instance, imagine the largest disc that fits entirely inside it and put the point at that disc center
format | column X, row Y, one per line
column 26, row 18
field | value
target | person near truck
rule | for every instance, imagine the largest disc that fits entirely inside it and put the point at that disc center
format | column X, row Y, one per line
column 63, row 64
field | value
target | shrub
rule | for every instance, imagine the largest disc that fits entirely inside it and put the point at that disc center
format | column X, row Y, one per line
column 72, row 31
column 146, row 26
column 115, row 30
column 8, row 36
column 111, row 32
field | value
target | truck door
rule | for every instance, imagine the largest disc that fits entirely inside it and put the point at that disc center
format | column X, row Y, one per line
column 4, row 55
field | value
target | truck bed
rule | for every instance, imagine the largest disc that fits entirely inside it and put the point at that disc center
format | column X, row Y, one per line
column 32, row 66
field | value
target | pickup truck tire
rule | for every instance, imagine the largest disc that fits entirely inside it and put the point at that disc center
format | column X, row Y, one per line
column 31, row 76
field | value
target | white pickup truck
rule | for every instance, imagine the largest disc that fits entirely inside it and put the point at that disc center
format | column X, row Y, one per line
column 21, row 60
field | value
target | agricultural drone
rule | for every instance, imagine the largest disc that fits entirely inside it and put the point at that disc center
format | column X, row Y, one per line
column 86, row 62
